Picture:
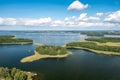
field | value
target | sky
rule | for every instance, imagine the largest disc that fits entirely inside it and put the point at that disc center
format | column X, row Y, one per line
column 59, row 14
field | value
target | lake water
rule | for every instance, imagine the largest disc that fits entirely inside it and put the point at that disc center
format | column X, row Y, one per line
column 81, row 65
column 112, row 36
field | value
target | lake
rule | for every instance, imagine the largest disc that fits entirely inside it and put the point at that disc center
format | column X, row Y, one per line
column 81, row 65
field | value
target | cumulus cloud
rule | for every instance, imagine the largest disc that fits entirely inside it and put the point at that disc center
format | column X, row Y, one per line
column 99, row 14
column 1, row 20
column 84, row 17
column 57, row 23
column 25, row 21
column 113, row 17
column 41, row 21
column 77, row 6
column 83, row 20
column 8, row 21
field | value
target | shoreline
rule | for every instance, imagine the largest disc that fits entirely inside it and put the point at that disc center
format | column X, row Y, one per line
column 96, row 51
column 16, row 43
column 38, row 56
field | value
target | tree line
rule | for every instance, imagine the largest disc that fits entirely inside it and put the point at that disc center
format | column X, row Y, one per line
column 92, row 45
column 104, row 40
column 51, row 50
column 12, row 74
column 13, row 40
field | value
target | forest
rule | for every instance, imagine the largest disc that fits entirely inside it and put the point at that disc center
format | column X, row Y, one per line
column 6, row 36
column 94, row 46
column 14, row 40
column 51, row 50
column 100, row 33
column 14, row 74
column 103, row 40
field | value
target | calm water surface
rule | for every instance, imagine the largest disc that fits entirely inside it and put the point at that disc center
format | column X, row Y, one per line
column 82, row 65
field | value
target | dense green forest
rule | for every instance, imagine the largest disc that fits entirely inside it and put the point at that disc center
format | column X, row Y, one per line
column 93, row 33
column 100, row 33
column 104, row 40
column 94, row 46
column 51, row 50
column 6, row 36
column 14, row 74
column 13, row 40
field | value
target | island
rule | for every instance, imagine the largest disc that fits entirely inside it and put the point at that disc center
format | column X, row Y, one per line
column 100, row 33
column 92, row 33
column 15, row 74
column 46, row 51
column 108, row 46
column 9, row 39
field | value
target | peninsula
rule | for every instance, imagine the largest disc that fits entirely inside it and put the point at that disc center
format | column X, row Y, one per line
column 47, row 52
column 9, row 39
column 108, row 46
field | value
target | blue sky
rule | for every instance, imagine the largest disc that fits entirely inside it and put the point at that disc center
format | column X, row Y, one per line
column 57, row 11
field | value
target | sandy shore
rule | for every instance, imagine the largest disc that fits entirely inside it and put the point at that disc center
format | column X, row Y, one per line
column 38, row 56
column 97, row 51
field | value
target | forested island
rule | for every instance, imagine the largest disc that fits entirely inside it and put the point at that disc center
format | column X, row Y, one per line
column 100, row 33
column 46, row 51
column 15, row 74
column 9, row 39
column 104, row 40
column 109, row 46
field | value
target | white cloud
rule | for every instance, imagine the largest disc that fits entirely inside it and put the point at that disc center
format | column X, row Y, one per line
column 113, row 17
column 99, row 14
column 66, row 19
column 57, row 23
column 77, row 6
column 25, row 21
column 83, row 20
column 70, row 18
column 92, row 19
column 41, row 21
column 1, row 20
column 84, row 17
column 8, row 21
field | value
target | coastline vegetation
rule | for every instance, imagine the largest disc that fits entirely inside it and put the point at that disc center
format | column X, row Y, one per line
column 15, row 74
column 104, row 40
column 93, row 33
column 47, row 52
column 109, row 46
column 51, row 50
column 7, row 36
column 13, row 40
column 94, row 46
column 100, row 33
